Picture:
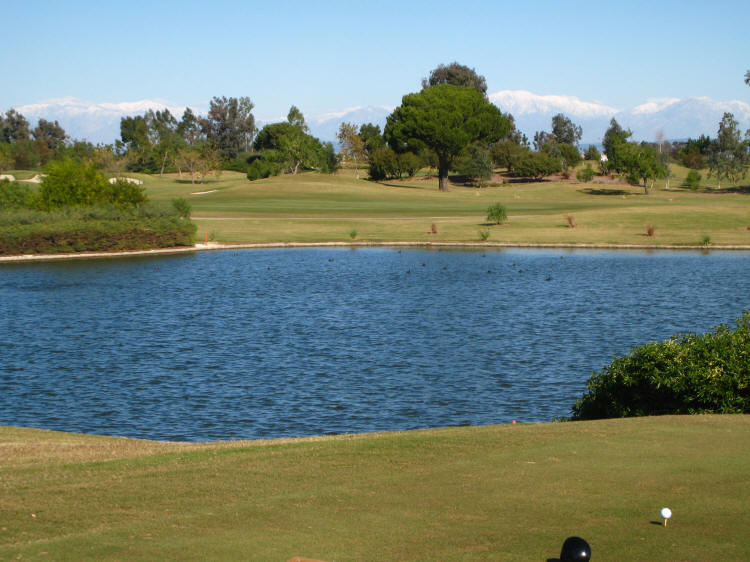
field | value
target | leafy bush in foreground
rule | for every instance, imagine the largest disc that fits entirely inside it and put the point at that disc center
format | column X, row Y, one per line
column 15, row 195
column 686, row 375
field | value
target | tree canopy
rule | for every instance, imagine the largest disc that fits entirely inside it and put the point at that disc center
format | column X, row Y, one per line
column 445, row 119
column 295, row 117
column 613, row 136
column 456, row 74
column 229, row 125
column 565, row 131
column 288, row 147
column 727, row 154
column 640, row 163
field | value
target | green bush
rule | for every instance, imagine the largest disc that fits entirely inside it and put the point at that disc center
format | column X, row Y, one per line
column 475, row 164
column 686, row 375
column 259, row 169
column 693, row 180
column 16, row 195
column 586, row 174
column 182, row 207
column 100, row 228
column 496, row 213
column 383, row 164
column 536, row 165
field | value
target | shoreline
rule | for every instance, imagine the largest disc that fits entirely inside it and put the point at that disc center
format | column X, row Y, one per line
column 401, row 244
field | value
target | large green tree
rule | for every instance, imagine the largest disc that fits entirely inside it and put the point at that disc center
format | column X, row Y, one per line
column 352, row 145
column 162, row 127
column 372, row 137
column 51, row 134
column 565, row 131
column 612, row 137
column 288, row 147
column 728, row 153
column 640, row 163
column 14, row 127
column 445, row 119
column 229, row 125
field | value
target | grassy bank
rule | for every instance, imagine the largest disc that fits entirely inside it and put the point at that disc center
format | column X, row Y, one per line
column 314, row 207
column 490, row 493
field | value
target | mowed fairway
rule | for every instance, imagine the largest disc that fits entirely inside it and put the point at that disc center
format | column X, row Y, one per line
column 312, row 207
column 511, row 492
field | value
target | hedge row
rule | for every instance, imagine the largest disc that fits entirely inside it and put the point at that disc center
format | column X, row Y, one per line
column 96, row 235
column 693, row 374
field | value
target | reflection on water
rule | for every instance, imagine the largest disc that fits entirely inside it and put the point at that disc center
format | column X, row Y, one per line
column 271, row 343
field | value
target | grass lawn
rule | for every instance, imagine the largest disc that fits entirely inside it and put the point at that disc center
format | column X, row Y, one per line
column 313, row 207
column 511, row 492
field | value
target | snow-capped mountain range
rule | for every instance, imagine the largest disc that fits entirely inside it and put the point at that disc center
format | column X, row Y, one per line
column 672, row 118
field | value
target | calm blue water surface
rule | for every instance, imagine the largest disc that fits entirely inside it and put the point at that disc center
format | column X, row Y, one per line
column 272, row 343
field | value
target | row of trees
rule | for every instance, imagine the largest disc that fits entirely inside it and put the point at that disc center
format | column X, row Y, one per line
column 726, row 157
column 24, row 147
column 449, row 125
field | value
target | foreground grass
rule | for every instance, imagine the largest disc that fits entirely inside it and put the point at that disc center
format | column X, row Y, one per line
column 498, row 493
column 314, row 207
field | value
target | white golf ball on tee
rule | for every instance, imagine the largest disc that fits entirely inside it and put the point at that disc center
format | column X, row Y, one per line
column 666, row 513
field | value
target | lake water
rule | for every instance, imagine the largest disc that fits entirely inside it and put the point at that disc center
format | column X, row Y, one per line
column 292, row 342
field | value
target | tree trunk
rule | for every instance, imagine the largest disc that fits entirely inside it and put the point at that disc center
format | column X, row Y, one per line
column 443, row 176
column 163, row 163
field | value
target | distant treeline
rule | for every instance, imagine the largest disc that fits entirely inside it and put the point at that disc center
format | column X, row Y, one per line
column 227, row 138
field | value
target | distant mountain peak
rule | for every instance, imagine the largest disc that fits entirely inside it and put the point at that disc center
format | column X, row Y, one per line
column 676, row 118
column 521, row 102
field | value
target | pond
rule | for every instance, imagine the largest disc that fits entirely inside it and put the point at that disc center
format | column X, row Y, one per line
column 292, row 342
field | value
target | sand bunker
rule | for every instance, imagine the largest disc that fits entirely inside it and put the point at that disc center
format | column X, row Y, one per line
column 7, row 177
column 203, row 192
column 36, row 179
column 129, row 180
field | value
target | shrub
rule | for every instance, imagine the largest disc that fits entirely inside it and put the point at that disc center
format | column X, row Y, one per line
column 496, row 213
column 686, row 375
column 484, row 234
column 182, row 207
column 259, row 169
column 69, row 182
column 382, row 164
column 16, row 195
column 586, row 174
column 536, row 165
column 328, row 159
column 650, row 230
column 124, row 194
column 476, row 166
column 693, row 180
column 385, row 164
column 100, row 228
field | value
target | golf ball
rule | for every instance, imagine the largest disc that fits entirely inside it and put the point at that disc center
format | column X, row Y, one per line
column 666, row 513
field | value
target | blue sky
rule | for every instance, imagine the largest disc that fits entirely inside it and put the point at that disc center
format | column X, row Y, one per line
column 329, row 55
